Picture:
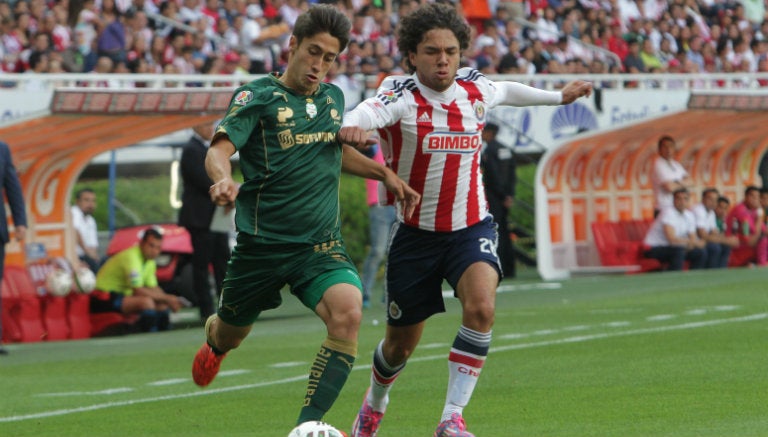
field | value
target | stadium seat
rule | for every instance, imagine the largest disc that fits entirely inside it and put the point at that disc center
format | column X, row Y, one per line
column 27, row 312
column 621, row 244
column 107, row 324
column 53, row 308
column 78, row 315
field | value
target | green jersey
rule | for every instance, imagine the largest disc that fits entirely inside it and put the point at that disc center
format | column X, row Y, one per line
column 290, row 159
column 125, row 271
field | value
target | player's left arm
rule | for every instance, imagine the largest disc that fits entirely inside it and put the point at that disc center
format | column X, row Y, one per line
column 355, row 163
column 518, row 94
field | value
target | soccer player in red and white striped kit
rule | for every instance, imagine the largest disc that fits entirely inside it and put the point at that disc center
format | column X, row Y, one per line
column 430, row 124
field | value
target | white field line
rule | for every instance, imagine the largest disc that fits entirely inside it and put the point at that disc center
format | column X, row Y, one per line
column 366, row 367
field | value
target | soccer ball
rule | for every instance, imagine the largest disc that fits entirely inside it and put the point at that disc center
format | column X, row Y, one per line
column 315, row 429
column 58, row 282
column 85, row 280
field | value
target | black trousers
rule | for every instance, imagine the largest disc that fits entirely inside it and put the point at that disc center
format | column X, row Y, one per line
column 505, row 250
column 209, row 248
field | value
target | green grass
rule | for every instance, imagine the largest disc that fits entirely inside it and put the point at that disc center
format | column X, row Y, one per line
column 677, row 354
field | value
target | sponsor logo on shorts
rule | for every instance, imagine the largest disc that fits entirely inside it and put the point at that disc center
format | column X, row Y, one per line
column 394, row 311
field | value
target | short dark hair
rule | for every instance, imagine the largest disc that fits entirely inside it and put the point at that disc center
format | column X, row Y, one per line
column 82, row 191
column 723, row 199
column 751, row 188
column 680, row 190
column 427, row 17
column 35, row 58
column 709, row 190
column 323, row 18
column 152, row 232
column 491, row 127
column 663, row 139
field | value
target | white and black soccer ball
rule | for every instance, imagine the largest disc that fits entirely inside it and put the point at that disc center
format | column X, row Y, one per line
column 58, row 282
column 85, row 280
column 315, row 429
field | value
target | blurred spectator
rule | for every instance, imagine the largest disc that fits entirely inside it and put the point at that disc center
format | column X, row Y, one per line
column 718, row 245
column 500, row 179
column 86, row 232
column 713, row 36
column 672, row 237
column 79, row 56
column 380, row 220
column 38, row 63
column 721, row 212
column 112, row 41
column 127, row 284
column 633, row 62
column 352, row 89
column 668, row 175
column 196, row 215
column 745, row 221
column 650, row 58
column 252, row 39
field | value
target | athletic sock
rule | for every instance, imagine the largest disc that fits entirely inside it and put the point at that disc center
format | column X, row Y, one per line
column 329, row 372
column 470, row 348
column 382, row 377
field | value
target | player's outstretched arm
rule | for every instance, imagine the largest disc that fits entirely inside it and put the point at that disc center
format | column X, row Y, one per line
column 575, row 89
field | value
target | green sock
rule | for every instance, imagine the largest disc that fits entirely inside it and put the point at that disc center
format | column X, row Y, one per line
column 327, row 376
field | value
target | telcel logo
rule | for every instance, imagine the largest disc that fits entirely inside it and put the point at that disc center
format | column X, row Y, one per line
column 452, row 142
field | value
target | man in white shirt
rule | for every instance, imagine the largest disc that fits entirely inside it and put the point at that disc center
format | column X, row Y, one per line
column 668, row 174
column 86, row 235
column 672, row 237
column 718, row 245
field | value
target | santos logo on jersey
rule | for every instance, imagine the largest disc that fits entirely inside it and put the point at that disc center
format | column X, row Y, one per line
column 287, row 139
column 452, row 142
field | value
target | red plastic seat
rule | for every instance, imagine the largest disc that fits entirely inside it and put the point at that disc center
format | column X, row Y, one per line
column 78, row 315
column 53, row 308
column 27, row 313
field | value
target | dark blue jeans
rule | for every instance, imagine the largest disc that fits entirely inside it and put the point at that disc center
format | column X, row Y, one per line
column 674, row 256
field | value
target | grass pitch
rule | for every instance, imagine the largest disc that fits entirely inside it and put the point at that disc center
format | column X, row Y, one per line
column 674, row 354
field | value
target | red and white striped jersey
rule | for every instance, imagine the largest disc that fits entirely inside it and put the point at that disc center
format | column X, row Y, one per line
column 432, row 140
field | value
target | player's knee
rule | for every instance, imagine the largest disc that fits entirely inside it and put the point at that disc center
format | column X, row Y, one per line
column 345, row 323
column 479, row 315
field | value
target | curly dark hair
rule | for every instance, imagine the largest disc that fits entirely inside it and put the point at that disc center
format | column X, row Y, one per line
column 323, row 18
column 430, row 16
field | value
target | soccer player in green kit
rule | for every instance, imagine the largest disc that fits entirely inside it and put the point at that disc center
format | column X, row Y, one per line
column 284, row 128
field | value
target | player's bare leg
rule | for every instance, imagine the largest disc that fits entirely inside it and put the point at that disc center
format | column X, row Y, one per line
column 388, row 361
column 220, row 338
column 477, row 292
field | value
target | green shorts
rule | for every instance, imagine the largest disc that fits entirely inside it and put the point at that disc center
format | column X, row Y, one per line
column 257, row 272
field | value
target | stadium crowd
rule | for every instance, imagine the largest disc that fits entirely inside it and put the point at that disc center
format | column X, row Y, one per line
column 511, row 36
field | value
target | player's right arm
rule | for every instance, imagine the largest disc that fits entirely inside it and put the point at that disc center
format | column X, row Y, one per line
column 224, row 189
